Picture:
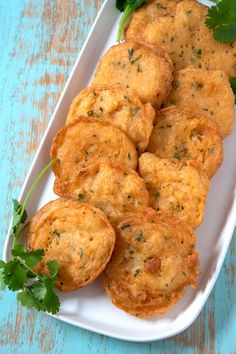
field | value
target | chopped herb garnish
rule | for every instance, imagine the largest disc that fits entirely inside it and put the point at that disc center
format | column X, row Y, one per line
column 139, row 70
column 129, row 156
column 157, row 194
column 126, row 228
column 136, row 272
column 81, row 253
column 197, row 52
column 90, row 113
column 55, row 233
column 160, row 6
column 80, row 196
column 211, row 149
column 176, row 85
column 132, row 111
column 131, row 56
column 176, row 155
column 140, row 237
column 127, row 98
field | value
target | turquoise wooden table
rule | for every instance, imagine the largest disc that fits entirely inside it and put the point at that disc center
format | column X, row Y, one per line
column 39, row 42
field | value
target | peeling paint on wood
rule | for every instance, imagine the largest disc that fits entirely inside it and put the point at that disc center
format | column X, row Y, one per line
column 39, row 43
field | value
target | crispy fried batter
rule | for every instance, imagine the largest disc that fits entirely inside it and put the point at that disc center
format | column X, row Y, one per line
column 176, row 187
column 115, row 105
column 147, row 70
column 185, row 36
column 184, row 135
column 206, row 91
column 107, row 185
column 77, row 236
column 154, row 259
column 84, row 142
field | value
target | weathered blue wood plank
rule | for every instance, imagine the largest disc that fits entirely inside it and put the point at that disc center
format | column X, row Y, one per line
column 39, row 42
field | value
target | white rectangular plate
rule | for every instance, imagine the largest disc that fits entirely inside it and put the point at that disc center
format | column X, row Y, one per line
column 89, row 307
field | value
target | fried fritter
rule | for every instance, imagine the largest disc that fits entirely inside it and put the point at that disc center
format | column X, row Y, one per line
column 154, row 259
column 175, row 186
column 115, row 105
column 206, row 91
column 145, row 69
column 186, row 38
column 77, row 236
column 107, row 185
column 84, row 142
column 184, row 135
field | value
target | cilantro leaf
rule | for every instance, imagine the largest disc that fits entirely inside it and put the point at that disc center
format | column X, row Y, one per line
column 26, row 299
column 127, row 7
column 233, row 85
column 120, row 5
column 18, row 273
column 19, row 216
column 222, row 19
column 39, row 290
column 14, row 275
column 53, row 268
column 2, row 282
column 51, row 301
column 2, row 264
column 31, row 259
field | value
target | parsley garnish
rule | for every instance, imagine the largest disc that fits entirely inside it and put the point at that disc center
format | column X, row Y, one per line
column 35, row 291
column 222, row 19
column 233, row 85
column 127, row 7
column 131, row 56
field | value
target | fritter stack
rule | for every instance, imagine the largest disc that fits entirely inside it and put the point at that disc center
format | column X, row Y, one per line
column 134, row 160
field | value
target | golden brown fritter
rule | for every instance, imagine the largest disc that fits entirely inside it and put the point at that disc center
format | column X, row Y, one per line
column 84, row 142
column 77, row 236
column 206, row 91
column 147, row 70
column 154, row 259
column 115, row 105
column 176, row 187
column 108, row 185
column 186, row 38
column 184, row 135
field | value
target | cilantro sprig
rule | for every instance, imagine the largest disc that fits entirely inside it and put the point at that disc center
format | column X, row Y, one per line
column 18, row 274
column 222, row 19
column 127, row 7
column 233, row 85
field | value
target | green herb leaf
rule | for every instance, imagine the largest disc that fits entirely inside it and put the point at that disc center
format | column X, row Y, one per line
column 127, row 7
column 2, row 264
column 39, row 290
column 233, row 85
column 14, row 275
column 222, row 19
column 53, row 268
column 31, row 259
column 17, row 274
column 51, row 300
column 26, row 299
column 2, row 282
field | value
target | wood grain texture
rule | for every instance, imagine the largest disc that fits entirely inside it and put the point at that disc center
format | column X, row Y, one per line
column 39, row 42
